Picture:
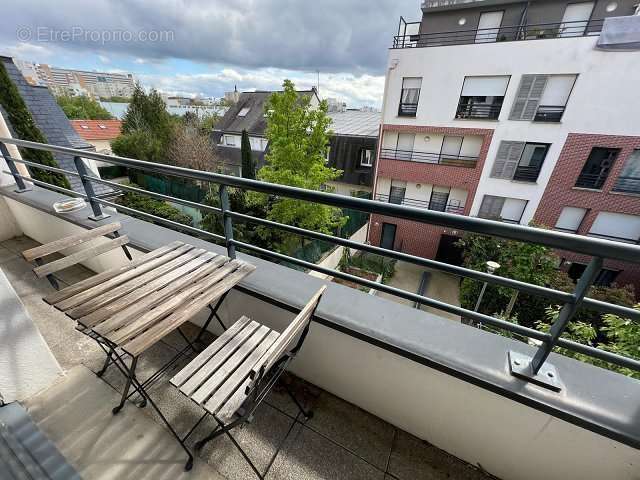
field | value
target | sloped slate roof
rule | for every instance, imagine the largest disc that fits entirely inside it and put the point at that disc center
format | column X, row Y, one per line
column 254, row 121
column 53, row 123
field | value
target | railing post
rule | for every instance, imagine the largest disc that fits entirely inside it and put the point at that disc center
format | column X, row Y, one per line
column 227, row 221
column 22, row 187
column 88, row 188
column 534, row 369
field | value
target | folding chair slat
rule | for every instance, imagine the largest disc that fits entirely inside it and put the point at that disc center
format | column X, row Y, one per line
column 139, row 344
column 82, row 255
column 70, row 241
column 238, row 377
column 174, row 304
column 227, row 368
column 276, row 350
column 109, row 274
column 114, row 314
column 88, row 301
column 231, row 406
column 215, row 362
column 204, row 356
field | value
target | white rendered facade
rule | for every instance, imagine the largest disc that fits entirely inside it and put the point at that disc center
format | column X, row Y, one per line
column 603, row 100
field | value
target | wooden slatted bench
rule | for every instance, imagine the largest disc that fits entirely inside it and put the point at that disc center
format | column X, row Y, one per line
column 89, row 250
column 231, row 377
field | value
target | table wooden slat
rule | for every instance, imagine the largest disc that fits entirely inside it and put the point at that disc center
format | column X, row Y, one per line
column 109, row 291
column 70, row 241
column 208, row 352
column 175, row 303
column 139, row 344
column 109, row 274
column 116, row 314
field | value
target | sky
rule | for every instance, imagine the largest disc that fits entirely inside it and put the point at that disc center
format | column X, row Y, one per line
column 207, row 47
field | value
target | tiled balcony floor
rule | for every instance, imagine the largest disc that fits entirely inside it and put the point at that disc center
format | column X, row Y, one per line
column 341, row 441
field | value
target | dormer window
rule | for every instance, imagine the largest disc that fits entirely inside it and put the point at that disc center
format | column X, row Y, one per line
column 103, row 127
column 243, row 112
column 84, row 127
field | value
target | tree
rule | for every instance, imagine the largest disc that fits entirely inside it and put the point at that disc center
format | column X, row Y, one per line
column 621, row 336
column 153, row 206
column 298, row 137
column 191, row 148
column 82, row 108
column 527, row 262
column 248, row 167
column 147, row 128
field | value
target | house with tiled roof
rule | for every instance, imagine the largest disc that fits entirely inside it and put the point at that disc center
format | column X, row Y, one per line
column 52, row 123
column 98, row 133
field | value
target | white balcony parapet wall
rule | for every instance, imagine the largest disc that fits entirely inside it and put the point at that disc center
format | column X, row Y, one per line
column 603, row 100
column 508, row 439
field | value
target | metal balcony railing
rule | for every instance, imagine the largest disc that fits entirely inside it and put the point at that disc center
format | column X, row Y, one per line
column 407, row 109
column 426, row 157
column 526, row 174
column 533, row 368
column 627, row 184
column 451, row 207
column 479, row 111
column 505, row 33
column 549, row 113
column 592, row 180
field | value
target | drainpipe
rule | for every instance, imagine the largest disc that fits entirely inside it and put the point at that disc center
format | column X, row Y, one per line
column 13, row 151
column 392, row 65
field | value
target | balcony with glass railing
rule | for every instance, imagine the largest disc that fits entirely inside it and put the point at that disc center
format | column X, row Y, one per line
column 400, row 375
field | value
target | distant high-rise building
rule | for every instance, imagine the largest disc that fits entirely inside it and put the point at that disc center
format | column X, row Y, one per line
column 78, row 82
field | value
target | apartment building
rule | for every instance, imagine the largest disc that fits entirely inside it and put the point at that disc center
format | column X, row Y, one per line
column 480, row 99
column 64, row 81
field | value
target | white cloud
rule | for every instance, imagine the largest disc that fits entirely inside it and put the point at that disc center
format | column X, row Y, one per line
column 356, row 90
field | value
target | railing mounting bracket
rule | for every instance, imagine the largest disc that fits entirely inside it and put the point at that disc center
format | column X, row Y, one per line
column 520, row 366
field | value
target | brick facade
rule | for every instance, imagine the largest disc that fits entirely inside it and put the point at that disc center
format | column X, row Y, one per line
column 560, row 192
column 419, row 238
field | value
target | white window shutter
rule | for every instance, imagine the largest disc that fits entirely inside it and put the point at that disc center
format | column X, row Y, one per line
column 528, row 97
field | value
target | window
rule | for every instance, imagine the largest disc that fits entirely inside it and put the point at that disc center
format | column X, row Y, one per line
column 404, row 146
column 616, row 226
column 542, row 98
column 366, row 157
column 230, row 140
column 397, row 192
column 243, row 112
column 409, row 96
column 482, row 97
column 489, row 26
column 328, row 156
column 451, row 147
column 604, row 278
column 519, row 161
column 629, row 179
column 439, row 198
column 597, row 167
column 570, row 219
column 502, row 208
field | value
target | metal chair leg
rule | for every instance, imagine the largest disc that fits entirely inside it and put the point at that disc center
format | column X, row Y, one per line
column 308, row 414
column 226, row 431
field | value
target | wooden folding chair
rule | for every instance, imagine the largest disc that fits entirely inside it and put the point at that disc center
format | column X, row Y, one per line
column 233, row 375
column 88, row 251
